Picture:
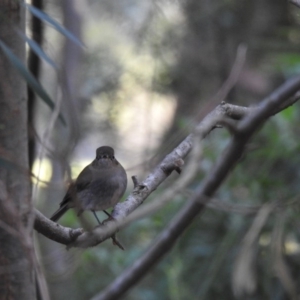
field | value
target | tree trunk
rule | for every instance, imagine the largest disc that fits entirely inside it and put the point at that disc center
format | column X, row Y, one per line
column 16, row 254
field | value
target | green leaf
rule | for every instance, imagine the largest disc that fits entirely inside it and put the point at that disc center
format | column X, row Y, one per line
column 46, row 18
column 288, row 113
column 38, row 50
column 33, row 83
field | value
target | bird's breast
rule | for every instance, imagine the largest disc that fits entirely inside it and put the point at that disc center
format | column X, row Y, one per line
column 104, row 191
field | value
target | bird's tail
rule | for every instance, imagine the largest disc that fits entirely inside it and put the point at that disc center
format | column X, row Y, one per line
column 58, row 214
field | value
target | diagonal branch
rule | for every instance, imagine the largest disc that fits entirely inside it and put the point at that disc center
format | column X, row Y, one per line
column 67, row 236
column 196, row 204
column 141, row 191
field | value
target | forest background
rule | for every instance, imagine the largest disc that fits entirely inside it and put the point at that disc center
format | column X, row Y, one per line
column 139, row 76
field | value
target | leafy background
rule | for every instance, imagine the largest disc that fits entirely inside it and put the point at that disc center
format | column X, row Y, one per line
column 146, row 74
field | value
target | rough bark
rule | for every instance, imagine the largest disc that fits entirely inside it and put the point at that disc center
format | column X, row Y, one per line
column 16, row 271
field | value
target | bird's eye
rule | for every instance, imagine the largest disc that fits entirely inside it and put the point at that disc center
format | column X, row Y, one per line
column 103, row 156
column 112, row 157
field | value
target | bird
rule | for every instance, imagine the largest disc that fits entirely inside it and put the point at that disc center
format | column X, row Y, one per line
column 99, row 186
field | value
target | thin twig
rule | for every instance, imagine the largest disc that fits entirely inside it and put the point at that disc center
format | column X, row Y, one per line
column 281, row 267
column 244, row 281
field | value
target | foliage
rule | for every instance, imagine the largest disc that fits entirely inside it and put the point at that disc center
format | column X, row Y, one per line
column 122, row 70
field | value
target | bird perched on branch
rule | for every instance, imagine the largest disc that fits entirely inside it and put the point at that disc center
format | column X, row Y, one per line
column 99, row 186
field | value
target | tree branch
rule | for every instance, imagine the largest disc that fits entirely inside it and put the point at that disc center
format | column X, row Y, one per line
column 141, row 191
column 195, row 205
column 171, row 162
column 54, row 231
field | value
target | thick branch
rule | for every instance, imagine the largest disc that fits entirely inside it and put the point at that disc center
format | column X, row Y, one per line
column 195, row 206
column 142, row 190
column 54, row 231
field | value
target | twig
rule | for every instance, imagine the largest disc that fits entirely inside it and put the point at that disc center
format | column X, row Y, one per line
column 244, row 280
column 234, row 74
column 281, row 268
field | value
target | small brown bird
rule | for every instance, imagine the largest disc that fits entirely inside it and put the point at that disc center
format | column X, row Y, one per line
column 99, row 186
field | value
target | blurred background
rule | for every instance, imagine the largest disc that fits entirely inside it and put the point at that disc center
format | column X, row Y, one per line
column 148, row 73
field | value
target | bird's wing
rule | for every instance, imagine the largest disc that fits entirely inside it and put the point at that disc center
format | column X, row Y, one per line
column 67, row 197
column 84, row 179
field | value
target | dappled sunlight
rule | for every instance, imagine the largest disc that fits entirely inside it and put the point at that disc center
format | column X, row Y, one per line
column 291, row 247
column 152, row 115
column 42, row 170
